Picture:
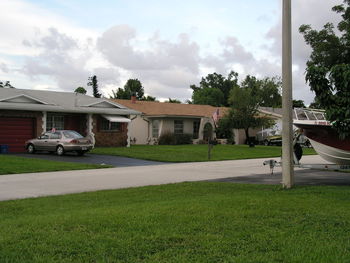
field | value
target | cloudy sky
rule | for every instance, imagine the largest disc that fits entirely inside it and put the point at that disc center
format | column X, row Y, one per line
column 167, row 45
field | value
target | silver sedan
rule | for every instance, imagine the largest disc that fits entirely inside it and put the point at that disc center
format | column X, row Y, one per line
column 60, row 142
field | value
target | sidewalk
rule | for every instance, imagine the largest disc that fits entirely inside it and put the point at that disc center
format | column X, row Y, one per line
column 19, row 186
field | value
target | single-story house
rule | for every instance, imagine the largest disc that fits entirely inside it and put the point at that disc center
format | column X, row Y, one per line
column 160, row 117
column 25, row 114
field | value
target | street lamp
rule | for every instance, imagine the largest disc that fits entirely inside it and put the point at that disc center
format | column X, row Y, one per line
column 287, row 118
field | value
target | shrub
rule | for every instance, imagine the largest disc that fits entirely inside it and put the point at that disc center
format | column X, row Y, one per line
column 169, row 138
column 183, row 139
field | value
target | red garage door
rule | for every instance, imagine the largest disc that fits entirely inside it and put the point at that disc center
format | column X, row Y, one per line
column 15, row 131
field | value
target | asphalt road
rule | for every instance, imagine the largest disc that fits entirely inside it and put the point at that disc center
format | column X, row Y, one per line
column 116, row 161
column 18, row 186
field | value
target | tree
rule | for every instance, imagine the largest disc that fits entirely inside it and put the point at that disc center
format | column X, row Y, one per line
column 208, row 96
column 217, row 82
column 133, row 87
column 6, row 84
column 149, row 98
column 224, row 129
column 173, row 101
column 244, row 113
column 93, row 83
column 267, row 91
column 315, row 104
column 328, row 69
column 298, row 104
column 80, row 90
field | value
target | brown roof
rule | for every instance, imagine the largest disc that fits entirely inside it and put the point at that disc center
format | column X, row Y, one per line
column 153, row 108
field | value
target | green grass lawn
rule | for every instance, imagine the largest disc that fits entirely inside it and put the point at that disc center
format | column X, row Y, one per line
column 194, row 153
column 14, row 165
column 188, row 222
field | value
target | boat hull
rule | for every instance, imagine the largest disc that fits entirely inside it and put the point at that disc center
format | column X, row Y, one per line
column 331, row 154
column 326, row 142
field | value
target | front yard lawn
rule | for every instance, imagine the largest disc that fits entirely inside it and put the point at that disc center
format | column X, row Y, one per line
column 194, row 153
column 14, row 165
column 188, row 222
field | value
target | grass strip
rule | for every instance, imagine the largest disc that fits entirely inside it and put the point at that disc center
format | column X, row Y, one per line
column 14, row 165
column 187, row 222
column 194, row 153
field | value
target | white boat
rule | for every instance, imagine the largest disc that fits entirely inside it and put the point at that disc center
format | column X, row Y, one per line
column 324, row 139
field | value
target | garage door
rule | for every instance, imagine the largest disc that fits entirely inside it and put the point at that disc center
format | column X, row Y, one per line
column 15, row 131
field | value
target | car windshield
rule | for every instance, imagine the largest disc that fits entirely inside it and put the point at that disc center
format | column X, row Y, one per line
column 72, row 135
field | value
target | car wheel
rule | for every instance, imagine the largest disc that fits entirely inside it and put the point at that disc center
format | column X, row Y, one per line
column 60, row 150
column 266, row 143
column 30, row 148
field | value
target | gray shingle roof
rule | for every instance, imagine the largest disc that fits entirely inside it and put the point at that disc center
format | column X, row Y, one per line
column 53, row 101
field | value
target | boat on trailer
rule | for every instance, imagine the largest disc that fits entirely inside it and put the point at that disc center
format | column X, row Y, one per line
column 324, row 139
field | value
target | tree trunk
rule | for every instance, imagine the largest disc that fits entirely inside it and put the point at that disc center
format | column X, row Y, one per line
column 247, row 135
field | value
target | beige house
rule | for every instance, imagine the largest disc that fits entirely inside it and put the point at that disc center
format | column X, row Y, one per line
column 161, row 117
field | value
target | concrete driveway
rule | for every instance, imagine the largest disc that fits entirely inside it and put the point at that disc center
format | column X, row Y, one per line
column 116, row 161
column 243, row 171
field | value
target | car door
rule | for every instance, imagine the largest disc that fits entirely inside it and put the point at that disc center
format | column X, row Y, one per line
column 53, row 141
column 41, row 142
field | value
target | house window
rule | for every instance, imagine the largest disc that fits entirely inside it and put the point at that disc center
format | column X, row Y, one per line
column 155, row 128
column 196, row 129
column 106, row 125
column 178, row 127
column 54, row 121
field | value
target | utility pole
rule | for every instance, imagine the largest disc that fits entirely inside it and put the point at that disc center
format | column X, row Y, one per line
column 287, row 118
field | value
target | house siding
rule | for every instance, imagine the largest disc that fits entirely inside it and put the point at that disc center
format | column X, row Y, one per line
column 109, row 138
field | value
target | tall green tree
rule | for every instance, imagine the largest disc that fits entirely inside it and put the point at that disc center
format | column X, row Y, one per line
column 6, row 84
column 328, row 69
column 209, row 96
column 244, row 112
column 93, row 83
column 133, row 87
column 80, row 90
column 267, row 91
column 214, row 85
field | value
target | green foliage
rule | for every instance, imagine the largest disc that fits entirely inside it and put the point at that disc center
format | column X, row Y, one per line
column 169, row 138
column 224, row 129
column 208, row 96
column 315, row 104
column 133, row 87
column 149, row 98
column 298, row 104
column 93, row 83
column 266, row 92
column 328, row 70
column 80, row 90
column 214, row 89
column 244, row 112
column 6, row 84
column 173, row 101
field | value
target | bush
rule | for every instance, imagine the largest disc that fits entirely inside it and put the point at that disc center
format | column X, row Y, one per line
column 183, row 139
column 168, row 138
